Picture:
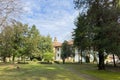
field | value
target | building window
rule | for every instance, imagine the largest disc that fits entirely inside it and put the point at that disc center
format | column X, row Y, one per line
column 58, row 55
column 57, row 49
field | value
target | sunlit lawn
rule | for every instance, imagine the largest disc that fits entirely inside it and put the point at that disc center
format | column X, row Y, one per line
column 36, row 72
column 92, row 71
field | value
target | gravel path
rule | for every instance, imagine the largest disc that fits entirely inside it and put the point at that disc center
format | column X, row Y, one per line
column 84, row 76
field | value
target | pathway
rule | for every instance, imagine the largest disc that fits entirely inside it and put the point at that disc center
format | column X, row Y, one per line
column 82, row 75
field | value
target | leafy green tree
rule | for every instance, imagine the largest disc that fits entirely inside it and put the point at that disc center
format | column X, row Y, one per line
column 12, row 39
column 33, row 41
column 66, row 51
column 113, row 38
column 48, row 56
column 45, row 45
column 82, row 34
column 100, row 14
column 6, row 42
column 19, row 40
column 19, row 35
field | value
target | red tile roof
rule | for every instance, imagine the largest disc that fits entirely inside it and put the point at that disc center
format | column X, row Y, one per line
column 70, row 42
column 57, row 44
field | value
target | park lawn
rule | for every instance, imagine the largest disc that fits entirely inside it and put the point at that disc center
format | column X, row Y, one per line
column 91, row 70
column 36, row 71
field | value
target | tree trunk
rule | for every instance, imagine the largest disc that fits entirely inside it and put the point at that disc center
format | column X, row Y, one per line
column 95, row 60
column 63, row 61
column 81, row 57
column 87, row 59
column 24, row 59
column 114, row 60
column 4, row 59
column 13, row 58
column 101, row 65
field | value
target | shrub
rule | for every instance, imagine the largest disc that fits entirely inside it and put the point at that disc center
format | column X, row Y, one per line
column 48, row 56
column 35, row 60
column 57, row 62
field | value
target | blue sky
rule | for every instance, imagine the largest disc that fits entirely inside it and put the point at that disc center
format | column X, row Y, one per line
column 54, row 17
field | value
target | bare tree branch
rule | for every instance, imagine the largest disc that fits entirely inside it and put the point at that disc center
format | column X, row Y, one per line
column 9, row 10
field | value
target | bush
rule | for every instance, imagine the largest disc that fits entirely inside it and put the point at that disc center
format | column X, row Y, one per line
column 35, row 60
column 57, row 62
column 48, row 56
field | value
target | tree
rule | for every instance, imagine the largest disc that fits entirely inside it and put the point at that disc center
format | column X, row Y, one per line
column 6, row 42
column 48, row 56
column 113, row 39
column 82, row 34
column 9, row 10
column 12, row 40
column 66, row 51
column 19, row 35
column 33, row 41
column 45, row 45
column 100, row 14
column 19, row 40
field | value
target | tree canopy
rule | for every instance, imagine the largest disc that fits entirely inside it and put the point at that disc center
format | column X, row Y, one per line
column 101, row 16
column 20, row 40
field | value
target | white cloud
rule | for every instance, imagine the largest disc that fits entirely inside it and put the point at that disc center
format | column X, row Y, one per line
column 55, row 17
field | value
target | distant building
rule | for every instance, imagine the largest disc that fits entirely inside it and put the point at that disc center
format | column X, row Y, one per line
column 109, row 59
column 57, row 49
column 93, row 55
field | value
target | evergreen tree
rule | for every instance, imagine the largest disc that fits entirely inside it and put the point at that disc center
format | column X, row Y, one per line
column 101, row 14
column 66, row 51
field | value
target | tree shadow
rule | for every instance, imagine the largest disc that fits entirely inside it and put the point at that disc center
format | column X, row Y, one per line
column 37, row 72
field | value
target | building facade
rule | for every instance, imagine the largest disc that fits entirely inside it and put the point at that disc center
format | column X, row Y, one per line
column 57, row 50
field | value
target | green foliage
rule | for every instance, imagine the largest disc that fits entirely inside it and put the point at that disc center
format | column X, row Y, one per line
column 32, row 41
column 67, row 50
column 45, row 45
column 19, row 35
column 6, row 37
column 12, row 38
column 19, row 40
column 48, row 56
column 35, row 60
column 102, row 16
column 82, row 34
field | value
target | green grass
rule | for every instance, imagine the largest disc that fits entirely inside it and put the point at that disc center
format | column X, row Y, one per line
column 91, row 70
column 35, row 71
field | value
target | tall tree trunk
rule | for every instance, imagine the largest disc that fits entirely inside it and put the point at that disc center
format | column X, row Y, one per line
column 114, row 60
column 81, row 57
column 63, row 61
column 13, row 58
column 88, row 56
column 24, row 59
column 101, row 65
column 4, row 59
